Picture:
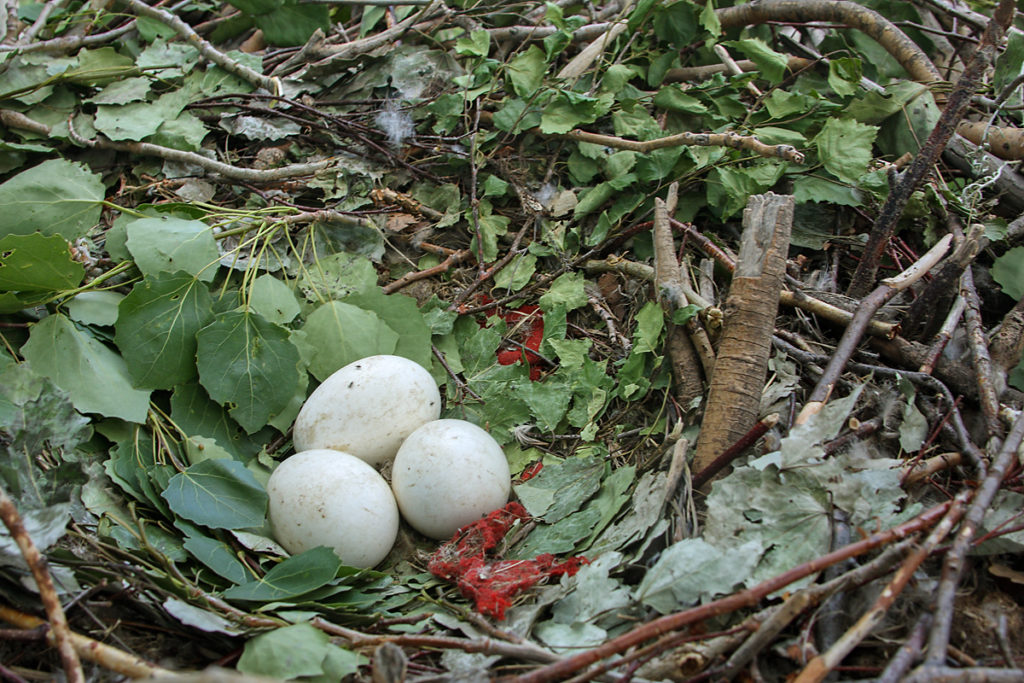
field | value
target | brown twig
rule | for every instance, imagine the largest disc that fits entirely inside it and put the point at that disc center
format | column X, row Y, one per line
column 783, row 615
column 37, row 564
column 206, row 49
column 952, row 566
column 944, row 334
column 979, row 354
column 820, row 667
column 358, row 639
column 746, row 598
column 889, row 36
column 252, row 175
column 104, row 655
column 976, row 674
column 959, row 99
column 700, row 73
column 730, row 139
column 851, row 337
column 674, row 289
column 908, row 652
column 734, row 451
column 937, row 463
column 453, row 259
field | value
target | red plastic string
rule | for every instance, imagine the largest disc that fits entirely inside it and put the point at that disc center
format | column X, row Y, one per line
column 492, row 584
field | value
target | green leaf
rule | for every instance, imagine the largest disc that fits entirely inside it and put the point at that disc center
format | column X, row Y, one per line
column 675, row 23
column 709, row 20
column 286, row 653
column 37, row 263
column 518, row 273
column 196, row 617
column 782, row 103
column 218, row 557
column 646, row 510
column 567, row 111
column 478, row 44
column 138, row 120
column 173, row 244
column 36, row 416
column 694, row 570
column 844, row 148
column 1008, row 271
column 548, row 401
column 786, row 513
column 156, row 328
column 569, row 638
column 844, row 74
column 338, row 664
column 914, row 427
column 567, row 290
column 95, row 377
column 560, row 538
column 273, row 299
column 673, row 98
column 248, row 365
column 95, row 308
column 133, row 466
column 770, row 63
column 220, row 494
column 650, row 321
column 562, row 488
column 291, row 578
column 57, row 197
column 494, row 186
column 729, row 187
column 336, row 276
column 401, row 314
column 526, row 71
column 344, row 333
column 809, row 188
column 195, row 414
column 1010, row 62
column 292, row 24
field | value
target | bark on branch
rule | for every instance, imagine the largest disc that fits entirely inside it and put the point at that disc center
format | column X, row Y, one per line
column 895, row 41
column 747, row 329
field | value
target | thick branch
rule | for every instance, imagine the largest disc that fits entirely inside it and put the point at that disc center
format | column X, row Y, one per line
column 746, row 342
column 896, row 43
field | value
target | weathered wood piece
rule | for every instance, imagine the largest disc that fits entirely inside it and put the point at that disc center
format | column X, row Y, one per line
column 749, row 322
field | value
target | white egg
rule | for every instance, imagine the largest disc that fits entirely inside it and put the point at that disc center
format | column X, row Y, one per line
column 447, row 474
column 325, row 497
column 367, row 408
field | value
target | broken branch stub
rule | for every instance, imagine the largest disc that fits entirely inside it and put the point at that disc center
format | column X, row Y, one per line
column 746, row 341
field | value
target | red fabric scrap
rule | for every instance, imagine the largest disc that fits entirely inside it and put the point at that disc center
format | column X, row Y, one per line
column 492, row 584
column 531, row 471
column 528, row 323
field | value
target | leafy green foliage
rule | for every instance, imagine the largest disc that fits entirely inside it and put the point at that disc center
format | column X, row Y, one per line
column 37, row 263
column 36, row 415
column 95, row 377
column 220, row 494
column 169, row 245
column 56, row 197
column 298, row 650
column 192, row 328
column 291, row 578
column 1008, row 271
column 248, row 365
column 156, row 328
